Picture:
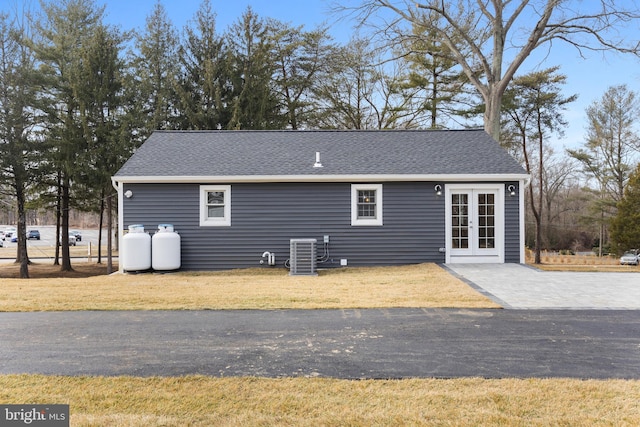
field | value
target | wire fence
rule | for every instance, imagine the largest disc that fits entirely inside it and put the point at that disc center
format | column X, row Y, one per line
column 581, row 258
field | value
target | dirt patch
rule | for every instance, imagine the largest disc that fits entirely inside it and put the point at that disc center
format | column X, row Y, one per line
column 50, row 271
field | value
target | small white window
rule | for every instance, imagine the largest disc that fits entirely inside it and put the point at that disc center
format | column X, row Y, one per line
column 215, row 205
column 366, row 204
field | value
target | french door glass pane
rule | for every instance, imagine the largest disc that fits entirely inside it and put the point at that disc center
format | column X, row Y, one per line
column 459, row 221
column 486, row 221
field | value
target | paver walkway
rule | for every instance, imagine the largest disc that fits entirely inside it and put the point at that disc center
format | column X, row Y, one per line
column 525, row 287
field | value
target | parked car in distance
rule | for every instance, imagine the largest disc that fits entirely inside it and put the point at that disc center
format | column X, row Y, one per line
column 72, row 240
column 76, row 234
column 629, row 258
column 9, row 233
column 33, row 234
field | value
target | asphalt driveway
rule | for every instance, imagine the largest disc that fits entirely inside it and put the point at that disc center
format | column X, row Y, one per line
column 592, row 339
column 374, row 343
column 524, row 287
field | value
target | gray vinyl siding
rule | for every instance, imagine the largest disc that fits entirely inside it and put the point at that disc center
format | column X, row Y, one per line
column 264, row 217
column 512, row 226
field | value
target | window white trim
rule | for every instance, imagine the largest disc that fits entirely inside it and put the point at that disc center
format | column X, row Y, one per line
column 205, row 220
column 355, row 221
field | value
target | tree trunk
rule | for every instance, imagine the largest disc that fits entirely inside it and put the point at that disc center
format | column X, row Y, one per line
column 22, row 255
column 536, row 214
column 492, row 115
column 100, row 227
column 532, row 201
column 56, row 260
column 109, row 235
column 66, row 256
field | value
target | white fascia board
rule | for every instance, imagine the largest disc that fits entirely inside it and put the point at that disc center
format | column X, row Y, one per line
column 317, row 178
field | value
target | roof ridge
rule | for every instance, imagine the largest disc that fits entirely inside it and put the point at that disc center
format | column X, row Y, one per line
column 315, row 130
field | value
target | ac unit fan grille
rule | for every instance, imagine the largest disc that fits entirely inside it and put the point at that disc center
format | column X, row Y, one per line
column 303, row 257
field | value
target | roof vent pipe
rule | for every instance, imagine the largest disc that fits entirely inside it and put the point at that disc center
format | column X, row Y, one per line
column 317, row 164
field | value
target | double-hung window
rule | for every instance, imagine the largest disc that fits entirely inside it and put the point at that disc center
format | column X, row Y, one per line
column 366, row 204
column 215, row 205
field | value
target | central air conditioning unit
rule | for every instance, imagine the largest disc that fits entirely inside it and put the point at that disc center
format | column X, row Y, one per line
column 302, row 257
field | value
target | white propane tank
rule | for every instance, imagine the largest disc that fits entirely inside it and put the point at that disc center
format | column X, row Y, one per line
column 165, row 253
column 136, row 248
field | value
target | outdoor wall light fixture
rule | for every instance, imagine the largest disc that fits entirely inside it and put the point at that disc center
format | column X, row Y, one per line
column 128, row 194
column 438, row 189
column 512, row 190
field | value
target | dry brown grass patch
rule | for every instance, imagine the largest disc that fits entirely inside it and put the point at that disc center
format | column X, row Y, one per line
column 423, row 285
column 206, row 401
column 38, row 270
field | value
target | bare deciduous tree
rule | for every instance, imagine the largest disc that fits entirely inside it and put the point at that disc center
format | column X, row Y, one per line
column 497, row 36
column 535, row 105
column 613, row 141
column 361, row 93
column 441, row 89
column 611, row 149
column 302, row 59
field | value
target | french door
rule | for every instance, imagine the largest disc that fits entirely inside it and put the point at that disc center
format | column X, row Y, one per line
column 474, row 224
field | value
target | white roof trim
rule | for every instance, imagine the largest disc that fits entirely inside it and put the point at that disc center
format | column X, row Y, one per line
column 317, row 178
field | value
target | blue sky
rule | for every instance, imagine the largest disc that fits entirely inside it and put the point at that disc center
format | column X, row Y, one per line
column 132, row 13
column 589, row 78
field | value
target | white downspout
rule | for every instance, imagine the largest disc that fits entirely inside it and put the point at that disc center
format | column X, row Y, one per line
column 119, row 188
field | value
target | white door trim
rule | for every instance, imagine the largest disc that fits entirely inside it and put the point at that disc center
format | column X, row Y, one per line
column 498, row 255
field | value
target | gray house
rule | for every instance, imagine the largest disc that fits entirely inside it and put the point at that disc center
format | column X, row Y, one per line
column 368, row 198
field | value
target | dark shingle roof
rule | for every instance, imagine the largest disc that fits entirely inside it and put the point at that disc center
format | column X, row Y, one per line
column 342, row 153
